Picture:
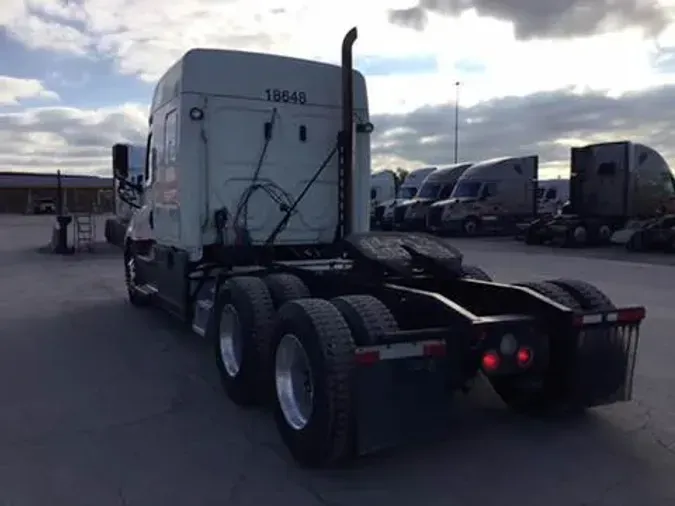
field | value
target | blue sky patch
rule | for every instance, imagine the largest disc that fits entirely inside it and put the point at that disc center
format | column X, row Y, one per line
column 383, row 66
column 79, row 81
column 664, row 60
column 469, row 67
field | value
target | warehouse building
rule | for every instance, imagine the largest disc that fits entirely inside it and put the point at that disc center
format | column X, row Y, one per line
column 20, row 192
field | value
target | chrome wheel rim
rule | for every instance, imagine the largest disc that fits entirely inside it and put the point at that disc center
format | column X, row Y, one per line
column 580, row 234
column 131, row 272
column 231, row 345
column 293, row 379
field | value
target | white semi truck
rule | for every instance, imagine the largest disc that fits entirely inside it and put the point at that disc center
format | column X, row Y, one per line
column 552, row 195
column 384, row 213
column 411, row 214
column 382, row 189
column 254, row 231
column 490, row 196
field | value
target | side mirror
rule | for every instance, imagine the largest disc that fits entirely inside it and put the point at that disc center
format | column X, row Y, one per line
column 120, row 156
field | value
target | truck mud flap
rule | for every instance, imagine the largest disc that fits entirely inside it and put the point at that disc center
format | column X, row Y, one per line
column 403, row 393
column 605, row 356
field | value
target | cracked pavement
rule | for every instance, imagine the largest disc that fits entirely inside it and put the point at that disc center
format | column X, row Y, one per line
column 105, row 404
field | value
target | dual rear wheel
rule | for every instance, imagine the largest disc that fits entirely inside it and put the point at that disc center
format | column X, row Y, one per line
column 274, row 343
column 553, row 391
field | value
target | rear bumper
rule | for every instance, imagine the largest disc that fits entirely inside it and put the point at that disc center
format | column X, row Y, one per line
column 401, row 400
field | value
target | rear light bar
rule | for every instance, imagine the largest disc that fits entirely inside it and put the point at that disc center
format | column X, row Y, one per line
column 627, row 315
column 492, row 359
column 368, row 355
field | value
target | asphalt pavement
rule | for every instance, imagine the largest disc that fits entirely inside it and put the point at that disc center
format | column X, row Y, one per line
column 105, row 404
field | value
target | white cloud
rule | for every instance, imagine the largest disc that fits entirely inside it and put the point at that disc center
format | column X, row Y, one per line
column 13, row 90
column 144, row 39
column 70, row 139
column 547, row 124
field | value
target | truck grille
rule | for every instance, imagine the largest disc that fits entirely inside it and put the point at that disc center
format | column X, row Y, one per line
column 434, row 215
column 605, row 363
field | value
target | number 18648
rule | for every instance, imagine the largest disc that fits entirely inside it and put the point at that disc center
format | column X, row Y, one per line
column 285, row 96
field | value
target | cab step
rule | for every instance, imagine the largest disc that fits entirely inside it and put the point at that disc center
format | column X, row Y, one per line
column 203, row 309
column 147, row 289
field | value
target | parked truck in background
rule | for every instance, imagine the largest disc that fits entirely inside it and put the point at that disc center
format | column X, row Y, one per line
column 491, row 196
column 610, row 185
column 253, row 230
column 384, row 213
column 438, row 185
column 127, row 194
column 552, row 195
column 382, row 189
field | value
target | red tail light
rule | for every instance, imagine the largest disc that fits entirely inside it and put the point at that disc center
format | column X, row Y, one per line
column 367, row 358
column 524, row 357
column 633, row 315
column 434, row 349
column 491, row 361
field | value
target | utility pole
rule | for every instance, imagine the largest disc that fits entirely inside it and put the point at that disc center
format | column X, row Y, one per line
column 457, row 84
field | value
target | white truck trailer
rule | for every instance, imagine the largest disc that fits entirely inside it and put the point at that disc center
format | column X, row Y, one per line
column 253, row 231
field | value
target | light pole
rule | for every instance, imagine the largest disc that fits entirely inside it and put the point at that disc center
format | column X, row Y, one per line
column 457, row 84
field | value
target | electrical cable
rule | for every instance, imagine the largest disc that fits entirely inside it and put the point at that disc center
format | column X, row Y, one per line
column 289, row 212
column 242, row 206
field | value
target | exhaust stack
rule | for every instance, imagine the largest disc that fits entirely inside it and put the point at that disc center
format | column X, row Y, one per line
column 347, row 134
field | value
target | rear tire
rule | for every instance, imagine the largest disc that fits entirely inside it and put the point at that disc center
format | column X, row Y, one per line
column 239, row 329
column 636, row 242
column 470, row 226
column 314, row 416
column 537, row 394
column 531, row 236
column 607, row 351
column 604, row 234
column 367, row 317
column 474, row 272
column 284, row 287
column 588, row 297
column 578, row 236
column 553, row 292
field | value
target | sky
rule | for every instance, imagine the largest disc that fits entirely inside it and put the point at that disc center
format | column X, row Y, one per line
column 536, row 76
